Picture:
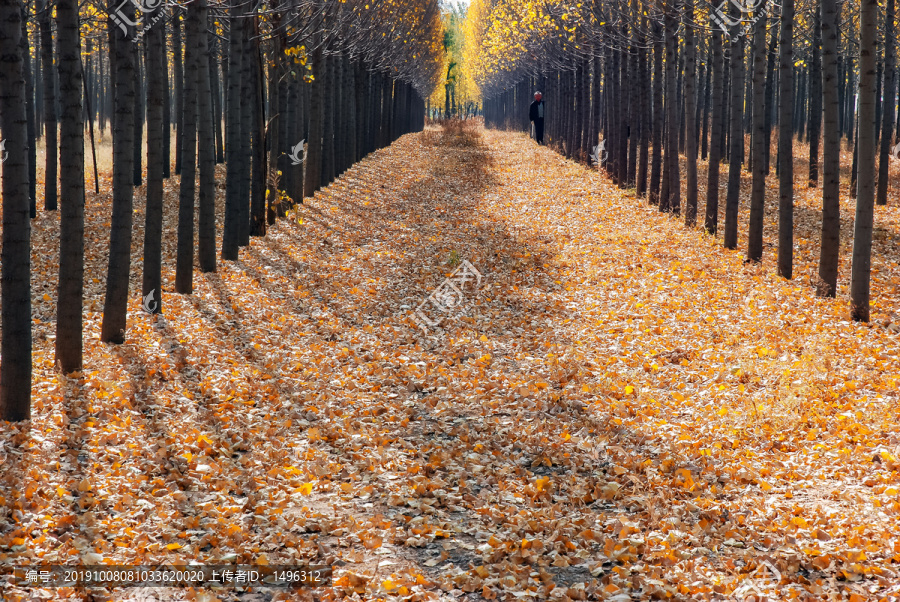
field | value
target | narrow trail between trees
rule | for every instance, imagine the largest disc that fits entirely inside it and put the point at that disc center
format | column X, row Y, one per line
column 626, row 412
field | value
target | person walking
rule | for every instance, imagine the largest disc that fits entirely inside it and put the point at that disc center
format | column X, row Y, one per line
column 536, row 115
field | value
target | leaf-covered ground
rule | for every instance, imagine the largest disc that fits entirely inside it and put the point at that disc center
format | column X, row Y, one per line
column 628, row 412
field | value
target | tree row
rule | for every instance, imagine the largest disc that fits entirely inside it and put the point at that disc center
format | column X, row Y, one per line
column 657, row 81
column 244, row 83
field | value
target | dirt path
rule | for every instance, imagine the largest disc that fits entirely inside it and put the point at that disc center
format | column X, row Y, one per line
column 625, row 412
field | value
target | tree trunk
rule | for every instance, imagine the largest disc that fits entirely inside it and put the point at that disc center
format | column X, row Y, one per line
column 178, row 70
column 115, row 306
column 102, row 97
column 690, row 113
column 770, row 95
column 831, row 155
column 854, row 164
column 371, row 86
column 673, row 201
column 387, row 110
column 583, row 135
column 374, row 107
column 166, row 114
column 184, row 261
column 572, row 125
column 50, row 124
column 785, row 143
column 878, row 75
column 38, row 83
column 701, row 87
column 29, row 113
column 890, row 103
column 274, row 119
column 157, row 98
column 300, row 109
column 258, row 175
column 634, row 116
column 15, row 256
column 896, row 115
column 842, row 92
column 758, row 190
column 233, row 136
column 656, row 160
column 851, row 102
column 137, row 171
column 666, row 163
column 717, row 108
column 644, row 115
column 286, row 112
column 352, row 113
column 726, row 100
column 800, row 112
column 736, row 136
column 748, row 95
column 340, row 122
column 626, row 111
column 394, row 108
column 679, row 85
column 328, row 155
column 361, row 109
column 860, row 271
column 815, row 103
column 707, row 103
column 206, row 149
column 611, row 126
column 71, row 228
column 215, row 90
column 226, row 44
column 340, row 114
column 246, row 124
column 313, row 176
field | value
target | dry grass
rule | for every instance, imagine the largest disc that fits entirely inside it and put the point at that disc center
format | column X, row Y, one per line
column 431, row 136
column 461, row 132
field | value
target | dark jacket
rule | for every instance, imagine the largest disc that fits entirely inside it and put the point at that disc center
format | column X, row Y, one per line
column 533, row 111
